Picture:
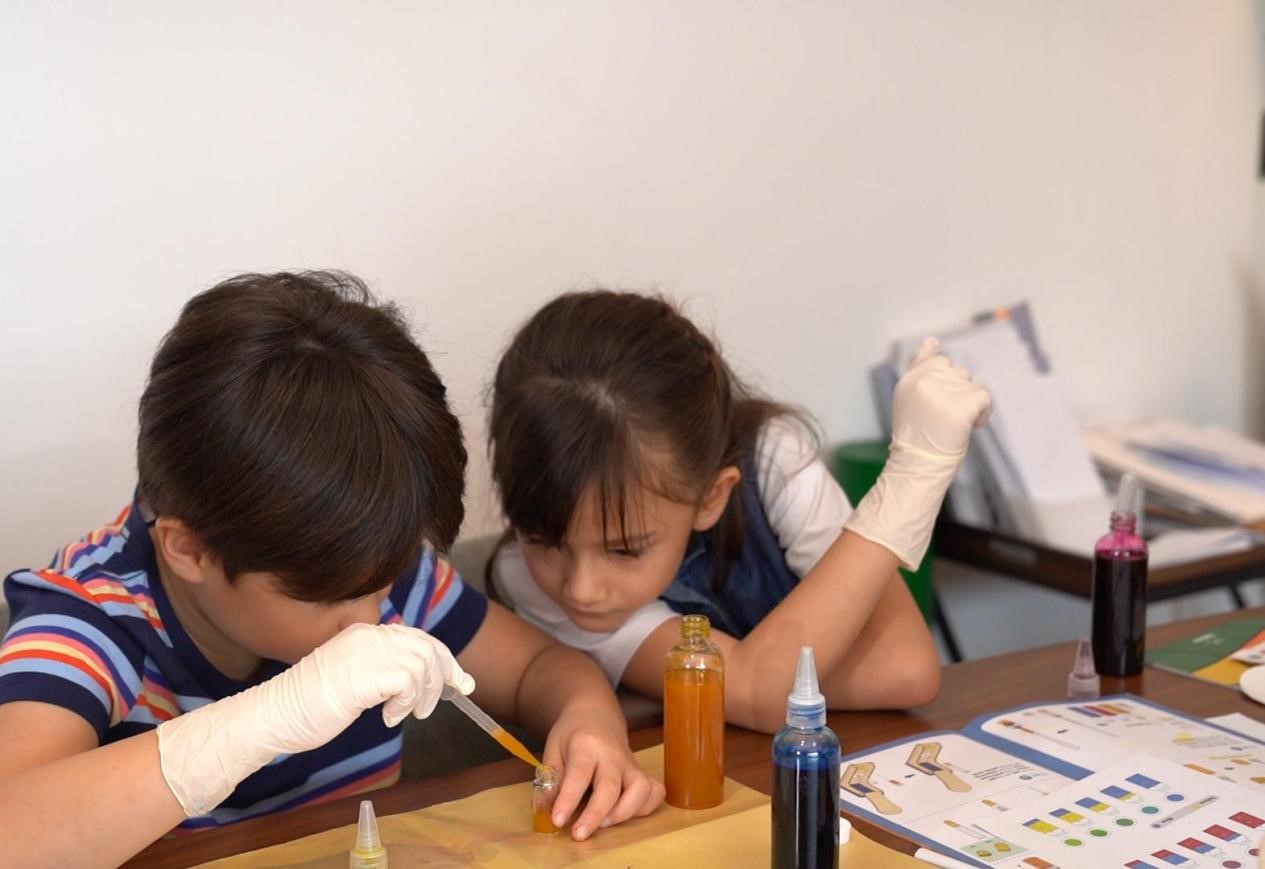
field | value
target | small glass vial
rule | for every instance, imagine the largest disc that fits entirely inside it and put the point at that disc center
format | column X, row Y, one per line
column 544, row 790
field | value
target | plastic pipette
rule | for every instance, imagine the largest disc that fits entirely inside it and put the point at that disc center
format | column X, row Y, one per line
column 368, row 853
column 494, row 730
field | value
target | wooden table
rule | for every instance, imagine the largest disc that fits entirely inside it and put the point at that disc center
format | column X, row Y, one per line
column 969, row 689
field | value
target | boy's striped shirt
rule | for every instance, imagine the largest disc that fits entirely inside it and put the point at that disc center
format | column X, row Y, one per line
column 95, row 634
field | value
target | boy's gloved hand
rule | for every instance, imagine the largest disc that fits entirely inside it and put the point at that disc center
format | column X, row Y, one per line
column 207, row 752
column 933, row 411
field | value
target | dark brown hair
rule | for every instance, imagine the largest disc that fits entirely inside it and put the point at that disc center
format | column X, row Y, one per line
column 295, row 426
column 589, row 382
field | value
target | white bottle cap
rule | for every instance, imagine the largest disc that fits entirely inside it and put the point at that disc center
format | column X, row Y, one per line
column 806, row 705
column 1083, row 682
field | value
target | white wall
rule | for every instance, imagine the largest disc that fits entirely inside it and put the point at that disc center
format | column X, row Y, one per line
column 817, row 178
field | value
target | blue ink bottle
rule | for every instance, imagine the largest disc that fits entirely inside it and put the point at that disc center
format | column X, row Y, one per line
column 805, row 778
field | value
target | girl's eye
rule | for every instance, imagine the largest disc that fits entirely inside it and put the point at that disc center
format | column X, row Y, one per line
column 627, row 553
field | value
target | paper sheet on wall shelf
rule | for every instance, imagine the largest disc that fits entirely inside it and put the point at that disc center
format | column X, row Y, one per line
column 1068, row 526
column 1222, row 471
column 1041, row 434
column 1178, row 547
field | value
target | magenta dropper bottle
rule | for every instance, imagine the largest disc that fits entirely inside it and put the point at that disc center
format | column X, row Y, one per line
column 1119, row 588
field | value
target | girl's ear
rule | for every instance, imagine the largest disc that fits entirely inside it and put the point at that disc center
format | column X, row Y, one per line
column 717, row 497
column 182, row 549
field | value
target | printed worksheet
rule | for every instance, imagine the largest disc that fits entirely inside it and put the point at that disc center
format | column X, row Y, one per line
column 933, row 784
column 1115, row 782
column 1093, row 735
column 1141, row 813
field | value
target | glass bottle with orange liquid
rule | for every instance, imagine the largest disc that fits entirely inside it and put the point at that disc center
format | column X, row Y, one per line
column 544, row 791
column 694, row 719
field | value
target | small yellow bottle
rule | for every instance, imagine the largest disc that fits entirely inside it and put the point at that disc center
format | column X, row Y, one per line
column 368, row 853
column 694, row 719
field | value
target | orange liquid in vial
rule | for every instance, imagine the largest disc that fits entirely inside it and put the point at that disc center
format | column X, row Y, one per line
column 541, row 822
column 694, row 738
column 514, row 747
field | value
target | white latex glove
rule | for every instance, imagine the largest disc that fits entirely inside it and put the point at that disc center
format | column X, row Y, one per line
column 934, row 409
column 207, row 752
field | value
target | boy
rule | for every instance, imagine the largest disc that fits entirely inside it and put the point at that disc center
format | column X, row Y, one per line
column 298, row 466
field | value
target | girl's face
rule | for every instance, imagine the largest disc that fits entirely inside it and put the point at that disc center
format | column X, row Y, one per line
column 599, row 578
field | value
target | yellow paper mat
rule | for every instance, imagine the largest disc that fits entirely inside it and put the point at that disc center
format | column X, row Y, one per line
column 493, row 829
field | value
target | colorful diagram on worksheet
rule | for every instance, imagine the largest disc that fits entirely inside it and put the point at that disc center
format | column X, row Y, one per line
column 1135, row 785
column 1092, row 735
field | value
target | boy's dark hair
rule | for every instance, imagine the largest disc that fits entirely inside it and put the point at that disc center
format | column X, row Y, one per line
column 589, row 382
column 294, row 425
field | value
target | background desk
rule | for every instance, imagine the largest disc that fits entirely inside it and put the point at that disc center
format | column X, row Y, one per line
column 969, row 689
column 1070, row 573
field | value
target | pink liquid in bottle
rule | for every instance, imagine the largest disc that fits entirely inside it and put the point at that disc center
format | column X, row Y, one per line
column 1119, row 589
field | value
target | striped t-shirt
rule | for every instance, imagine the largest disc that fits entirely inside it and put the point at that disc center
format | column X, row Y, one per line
column 95, row 633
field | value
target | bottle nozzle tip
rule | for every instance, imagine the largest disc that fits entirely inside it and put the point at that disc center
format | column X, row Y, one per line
column 806, row 697
column 367, row 838
column 1083, row 681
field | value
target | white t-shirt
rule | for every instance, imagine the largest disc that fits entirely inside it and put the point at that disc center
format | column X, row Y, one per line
column 804, row 505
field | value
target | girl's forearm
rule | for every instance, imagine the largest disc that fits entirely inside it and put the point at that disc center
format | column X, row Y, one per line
column 827, row 610
column 561, row 682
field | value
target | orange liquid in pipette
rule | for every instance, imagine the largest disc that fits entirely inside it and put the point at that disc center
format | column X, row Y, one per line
column 514, row 747
column 694, row 738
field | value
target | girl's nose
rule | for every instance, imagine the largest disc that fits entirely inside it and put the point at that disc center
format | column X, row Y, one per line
column 583, row 584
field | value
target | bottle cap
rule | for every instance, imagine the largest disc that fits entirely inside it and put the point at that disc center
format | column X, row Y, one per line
column 368, row 853
column 806, row 705
column 1083, row 682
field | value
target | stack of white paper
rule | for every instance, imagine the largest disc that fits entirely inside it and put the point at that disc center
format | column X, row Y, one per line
column 1214, row 468
column 1028, row 472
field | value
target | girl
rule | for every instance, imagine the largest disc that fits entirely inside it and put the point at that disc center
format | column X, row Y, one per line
column 643, row 480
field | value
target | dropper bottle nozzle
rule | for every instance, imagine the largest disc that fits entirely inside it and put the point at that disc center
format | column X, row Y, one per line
column 806, row 705
column 368, row 853
column 1129, row 503
column 1083, row 682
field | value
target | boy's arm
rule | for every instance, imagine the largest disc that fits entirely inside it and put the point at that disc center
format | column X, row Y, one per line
column 523, row 675
column 871, row 645
column 143, row 786
column 48, row 754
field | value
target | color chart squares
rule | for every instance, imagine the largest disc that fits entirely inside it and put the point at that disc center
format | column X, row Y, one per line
column 1247, row 819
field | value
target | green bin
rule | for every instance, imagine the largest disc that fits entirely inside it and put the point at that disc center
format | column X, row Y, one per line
column 856, row 467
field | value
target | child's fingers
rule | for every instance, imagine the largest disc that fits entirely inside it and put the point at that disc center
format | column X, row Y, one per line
column 984, row 408
column 606, row 786
column 636, row 795
column 576, row 775
column 657, row 795
column 930, row 347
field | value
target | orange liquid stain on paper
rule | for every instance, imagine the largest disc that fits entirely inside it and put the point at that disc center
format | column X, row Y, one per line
column 694, row 738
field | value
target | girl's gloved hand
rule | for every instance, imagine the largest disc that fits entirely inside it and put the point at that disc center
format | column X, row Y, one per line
column 934, row 409
column 207, row 752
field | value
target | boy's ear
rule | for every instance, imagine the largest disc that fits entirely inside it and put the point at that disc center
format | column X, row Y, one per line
column 717, row 497
column 182, row 550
